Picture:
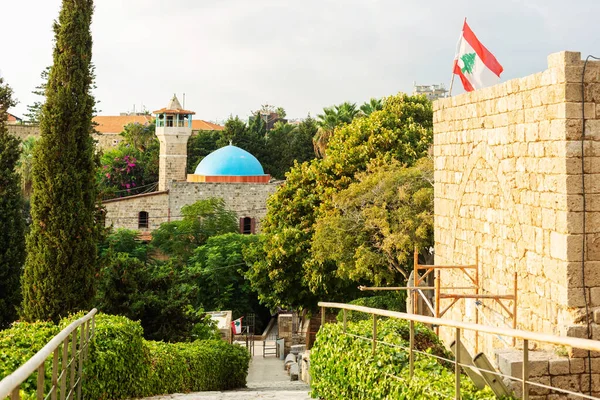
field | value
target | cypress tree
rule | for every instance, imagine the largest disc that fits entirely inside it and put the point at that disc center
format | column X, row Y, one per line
column 61, row 245
column 12, row 231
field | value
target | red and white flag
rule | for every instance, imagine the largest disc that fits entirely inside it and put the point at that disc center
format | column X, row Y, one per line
column 473, row 63
column 236, row 326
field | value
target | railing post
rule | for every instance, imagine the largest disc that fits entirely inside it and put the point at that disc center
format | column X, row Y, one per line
column 40, row 382
column 374, row 333
column 411, row 354
column 322, row 316
column 525, row 369
column 457, row 366
column 15, row 394
column 54, row 387
column 72, row 358
column 345, row 313
column 82, row 342
column 63, row 368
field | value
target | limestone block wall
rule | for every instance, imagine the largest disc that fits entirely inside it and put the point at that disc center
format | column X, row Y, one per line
column 508, row 184
column 123, row 213
column 246, row 199
column 105, row 141
column 24, row 131
column 173, row 154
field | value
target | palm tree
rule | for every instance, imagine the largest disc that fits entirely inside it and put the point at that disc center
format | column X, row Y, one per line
column 371, row 106
column 24, row 165
column 332, row 118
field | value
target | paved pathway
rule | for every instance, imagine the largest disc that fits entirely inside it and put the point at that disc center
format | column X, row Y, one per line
column 266, row 380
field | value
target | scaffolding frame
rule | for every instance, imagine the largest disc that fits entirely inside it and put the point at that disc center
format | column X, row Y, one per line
column 471, row 272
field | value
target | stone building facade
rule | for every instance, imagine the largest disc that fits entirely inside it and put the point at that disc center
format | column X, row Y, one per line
column 508, row 192
column 229, row 173
column 247, row 200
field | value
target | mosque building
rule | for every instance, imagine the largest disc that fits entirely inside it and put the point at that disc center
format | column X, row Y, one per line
column 229, row 173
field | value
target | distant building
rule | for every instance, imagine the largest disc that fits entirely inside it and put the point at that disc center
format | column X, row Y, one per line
column 14, row 120
column 229, row 173
column 433, row 92
column 108, row 127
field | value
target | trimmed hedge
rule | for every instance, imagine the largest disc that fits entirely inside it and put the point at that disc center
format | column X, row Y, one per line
column 176, row 366
column 122, row 364
column 343, row 367
column 19, row 343
column 118, row 363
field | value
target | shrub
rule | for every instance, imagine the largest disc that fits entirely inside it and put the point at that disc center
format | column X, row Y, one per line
column 197, row 366
column 118, row 359
column 343, row 367
column 19, row 343
column 122, row 365
column 388, row 301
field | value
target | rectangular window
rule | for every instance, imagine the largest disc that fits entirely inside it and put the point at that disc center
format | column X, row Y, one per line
column 143, row 220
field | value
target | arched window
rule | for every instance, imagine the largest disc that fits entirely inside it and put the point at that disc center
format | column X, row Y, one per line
column 247, row 226
column 143, row 220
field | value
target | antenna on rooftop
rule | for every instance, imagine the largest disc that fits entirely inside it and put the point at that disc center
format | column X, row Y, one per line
column 184, row 100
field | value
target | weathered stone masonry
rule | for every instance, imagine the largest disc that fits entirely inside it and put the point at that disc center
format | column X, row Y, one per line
column 245, row 199
column 508, row 182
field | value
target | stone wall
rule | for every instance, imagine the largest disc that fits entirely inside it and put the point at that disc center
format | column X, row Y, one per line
column 246, row 199
column 105, row 141
column 123, row 213
column 24, row 131
column 508, row 185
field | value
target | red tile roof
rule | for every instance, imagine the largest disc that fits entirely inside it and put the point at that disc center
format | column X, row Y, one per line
column 115, row 124
column 13, row 119
column 199, row 125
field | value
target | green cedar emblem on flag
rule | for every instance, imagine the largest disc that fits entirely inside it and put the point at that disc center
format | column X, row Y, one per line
column 468, row 62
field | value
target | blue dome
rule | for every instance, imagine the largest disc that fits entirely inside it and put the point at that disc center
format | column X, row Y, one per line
column 229, row 161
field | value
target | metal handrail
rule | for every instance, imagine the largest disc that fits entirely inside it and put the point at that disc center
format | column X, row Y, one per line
column 526, row 336
column 10, row 385
column 586, row 344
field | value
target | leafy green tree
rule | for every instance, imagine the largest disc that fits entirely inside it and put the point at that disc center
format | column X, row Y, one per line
column 302, row 141
column 219, row 268
column 201, row 220
column 199, row 146
column 371, row 106
column 284, row 270
column 373, row 226
column 159, row 294
column 12, row 233
column 61, row 246
column 332, row 118
column 34, row 111
column 139, row 136
column 129, row 168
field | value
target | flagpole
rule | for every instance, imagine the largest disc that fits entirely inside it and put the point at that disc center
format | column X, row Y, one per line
column 455, row 61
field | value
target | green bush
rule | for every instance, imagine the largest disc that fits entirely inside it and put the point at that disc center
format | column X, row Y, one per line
column 19, row 343
column 388, row 301
column 121, row 364
column 118, row 361
column 198, row 366
column 343, row 367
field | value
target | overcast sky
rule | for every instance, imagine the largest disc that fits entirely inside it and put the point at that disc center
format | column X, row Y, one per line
column 231, row 56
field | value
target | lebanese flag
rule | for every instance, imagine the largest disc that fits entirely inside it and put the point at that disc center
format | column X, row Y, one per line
column 473, row 63
column 236, row 326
